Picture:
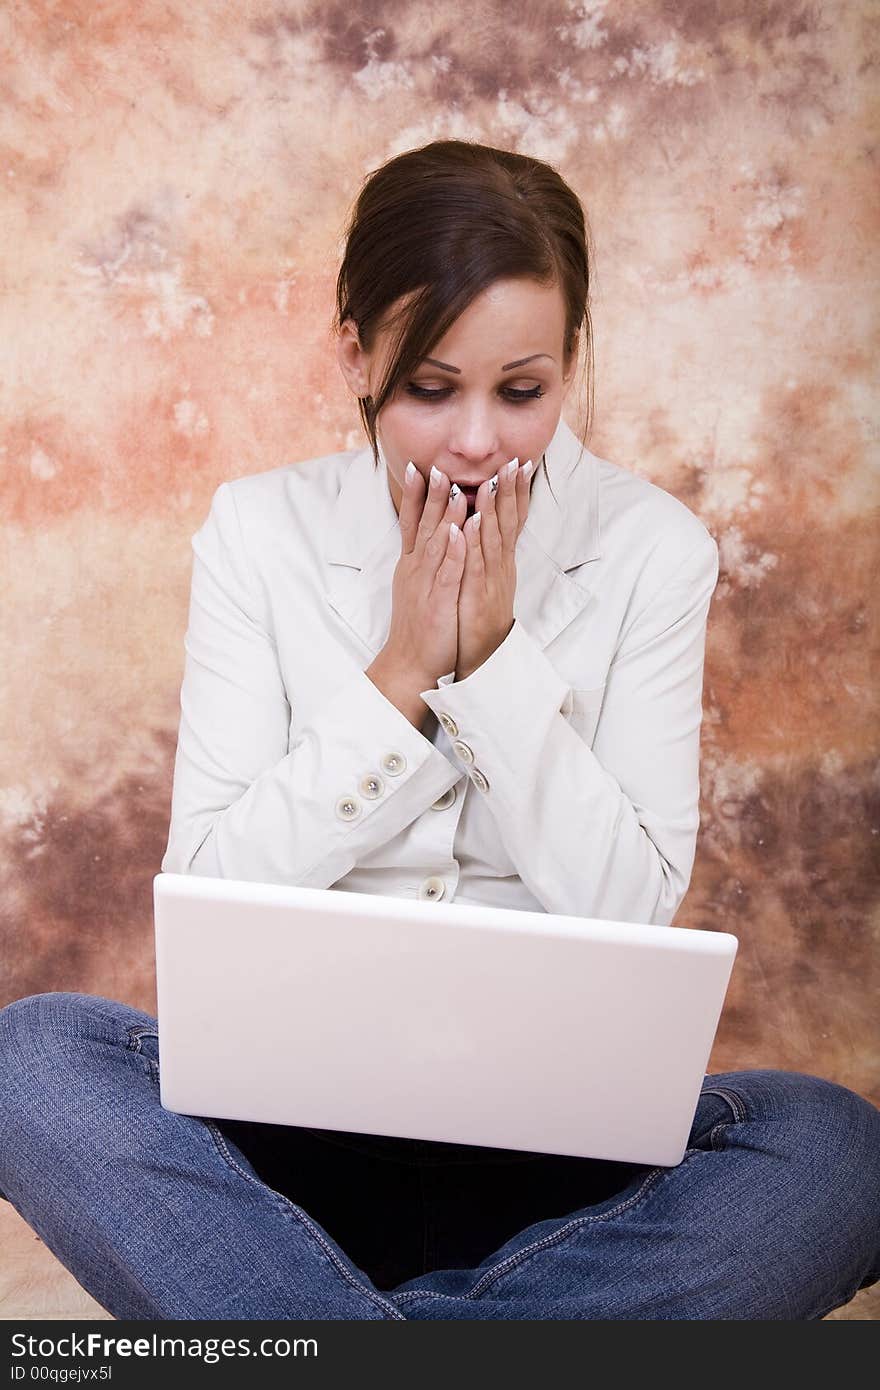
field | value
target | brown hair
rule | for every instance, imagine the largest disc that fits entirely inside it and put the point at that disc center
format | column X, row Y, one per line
column 436, row 226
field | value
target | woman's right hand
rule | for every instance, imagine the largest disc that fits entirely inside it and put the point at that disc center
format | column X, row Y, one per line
column 423, row 636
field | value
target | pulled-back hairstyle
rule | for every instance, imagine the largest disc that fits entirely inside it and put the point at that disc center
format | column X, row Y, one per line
column 436, row 226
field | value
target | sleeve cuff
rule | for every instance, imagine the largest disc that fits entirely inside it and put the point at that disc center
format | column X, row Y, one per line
column 361, row 707
column 504, row 693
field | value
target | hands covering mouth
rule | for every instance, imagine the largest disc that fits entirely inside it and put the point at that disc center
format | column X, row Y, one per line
column 454, row 602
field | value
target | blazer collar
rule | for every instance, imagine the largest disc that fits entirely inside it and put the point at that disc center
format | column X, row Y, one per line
column 560, row 536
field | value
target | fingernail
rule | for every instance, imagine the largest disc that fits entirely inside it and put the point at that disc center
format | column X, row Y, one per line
column 512, row 467
column 528, row 470
column 454, row 491
column 493, row 483
column 436, row 476
column 475, row 520
column 453, row 531
column 411, row 471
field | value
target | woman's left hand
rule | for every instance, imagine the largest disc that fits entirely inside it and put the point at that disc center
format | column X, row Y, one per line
column 488, row 584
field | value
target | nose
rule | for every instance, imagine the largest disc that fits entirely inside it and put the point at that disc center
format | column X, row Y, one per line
column 473, row 435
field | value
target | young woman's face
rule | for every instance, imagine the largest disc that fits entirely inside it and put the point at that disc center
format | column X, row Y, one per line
column 466, row 409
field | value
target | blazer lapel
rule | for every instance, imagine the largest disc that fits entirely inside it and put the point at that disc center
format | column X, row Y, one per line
column 362, row 550
column 561, row 535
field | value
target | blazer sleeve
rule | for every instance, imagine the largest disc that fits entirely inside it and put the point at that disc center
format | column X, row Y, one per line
column 246, row 806
column 607, row 831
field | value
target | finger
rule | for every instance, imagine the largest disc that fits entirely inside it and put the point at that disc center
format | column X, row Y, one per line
column 457, row 506
column 411, row 504
column 490, row 536
column 475, row 565
column 448, row 577
column 523, row 493
column 434, row 522
column 486, row 491
column 436, row 546
column 505, row 503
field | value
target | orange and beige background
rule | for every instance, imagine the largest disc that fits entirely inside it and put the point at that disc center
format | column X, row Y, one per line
column 174, row 184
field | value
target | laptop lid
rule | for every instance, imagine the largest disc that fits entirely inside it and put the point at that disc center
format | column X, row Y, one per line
column 439, row 1021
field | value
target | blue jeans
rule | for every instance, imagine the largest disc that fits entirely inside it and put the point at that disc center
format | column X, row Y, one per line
column 773, row 1213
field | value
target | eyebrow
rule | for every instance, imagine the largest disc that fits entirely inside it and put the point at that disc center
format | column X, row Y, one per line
column 508, row 366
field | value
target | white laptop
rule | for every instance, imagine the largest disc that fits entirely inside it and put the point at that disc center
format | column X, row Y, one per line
column 439, row 1021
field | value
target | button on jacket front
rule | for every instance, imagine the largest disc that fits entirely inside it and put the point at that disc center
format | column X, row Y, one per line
column 567, row 765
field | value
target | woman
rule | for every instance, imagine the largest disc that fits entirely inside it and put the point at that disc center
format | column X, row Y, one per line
column 420, row 668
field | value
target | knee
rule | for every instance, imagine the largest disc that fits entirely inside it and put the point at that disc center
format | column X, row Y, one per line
column 27, row 1024
column 40, row 1031
column 832, row 1130
column 831, row 1118
column 839, row 1150
column 809, row 1151
column 846, row 1127
column 35, row 1046
column 55, row 1049
column 813, row 1103
column 829, row 1133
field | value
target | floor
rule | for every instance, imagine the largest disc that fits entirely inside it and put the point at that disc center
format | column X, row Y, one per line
column 33, row 1284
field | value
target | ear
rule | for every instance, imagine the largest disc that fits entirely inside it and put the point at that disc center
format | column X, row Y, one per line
column 354, row 363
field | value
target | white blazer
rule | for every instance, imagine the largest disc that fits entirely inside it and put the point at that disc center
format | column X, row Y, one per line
column 562, row 775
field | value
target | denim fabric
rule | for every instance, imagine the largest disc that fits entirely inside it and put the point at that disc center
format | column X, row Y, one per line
column 773, row 1213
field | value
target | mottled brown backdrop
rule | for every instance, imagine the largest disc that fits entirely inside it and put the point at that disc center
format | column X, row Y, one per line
column 175, row 181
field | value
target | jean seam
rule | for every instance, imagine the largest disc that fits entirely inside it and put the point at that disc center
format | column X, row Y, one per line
column 133, row 1044
column 734, row 1100
column 136, row 1036
column 716, row 1134
column 287, row 1207
column 505, row 1266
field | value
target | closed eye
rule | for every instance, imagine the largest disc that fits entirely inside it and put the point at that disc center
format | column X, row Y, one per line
column 424, row 393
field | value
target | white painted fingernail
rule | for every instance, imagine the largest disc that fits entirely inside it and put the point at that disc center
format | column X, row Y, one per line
column 475, row 520
column 436, row 475
column 528, row 469
column 512, row 467
column 411, row 471
column 453, row 531
column 454, row 491
column 493, row 483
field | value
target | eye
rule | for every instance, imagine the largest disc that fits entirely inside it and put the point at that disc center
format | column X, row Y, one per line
column 534, row 394
column 423, row 393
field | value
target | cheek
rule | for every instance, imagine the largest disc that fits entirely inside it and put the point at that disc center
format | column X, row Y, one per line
column 542, row 427
column 407, row 431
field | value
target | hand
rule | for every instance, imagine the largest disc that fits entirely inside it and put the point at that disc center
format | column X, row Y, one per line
column 488, row 584
column 423, row 636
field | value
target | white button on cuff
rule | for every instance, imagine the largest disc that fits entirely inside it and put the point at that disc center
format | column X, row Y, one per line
column 449, row 724
column 393, row 764
column 445, row 800
column 348, row 808
column 432, row 889
column 371, row 787
column 479, row 780
column 462, row 751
